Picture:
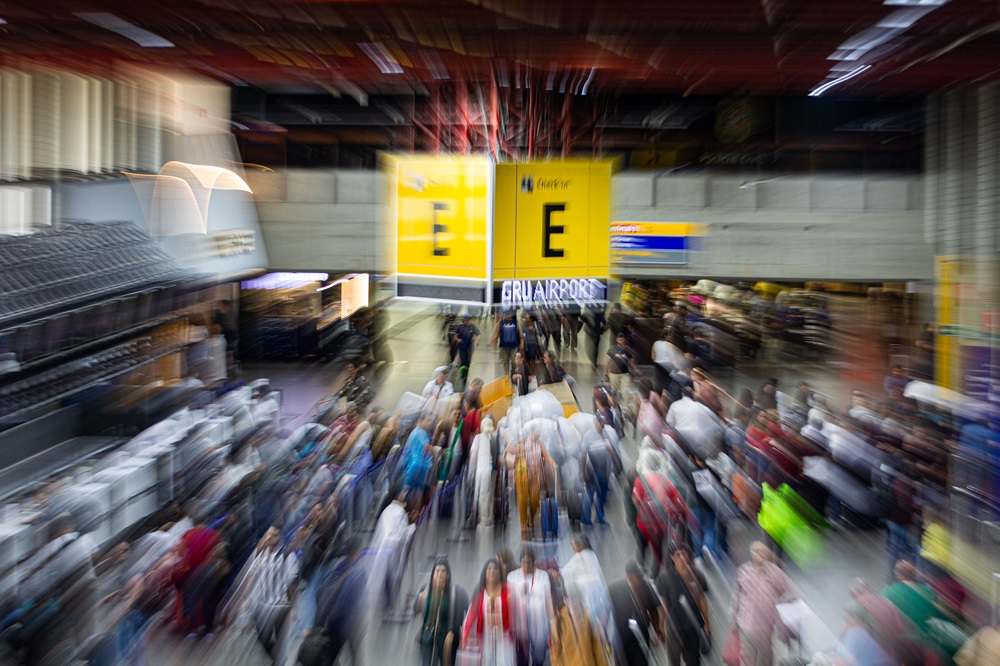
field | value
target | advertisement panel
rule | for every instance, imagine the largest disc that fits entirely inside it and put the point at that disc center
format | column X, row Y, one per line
column 442, row 209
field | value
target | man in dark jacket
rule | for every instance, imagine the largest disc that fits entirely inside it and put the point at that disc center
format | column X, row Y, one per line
column 636, row 608
column 340, row 605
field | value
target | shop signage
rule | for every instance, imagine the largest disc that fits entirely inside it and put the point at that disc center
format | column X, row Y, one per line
column 965, row 332
column 528, row 293
column 234, row 242
column 654, row 242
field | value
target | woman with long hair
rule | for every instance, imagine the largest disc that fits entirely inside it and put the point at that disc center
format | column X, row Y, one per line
column 442, row 605
column 488, row 624
column 572, row 639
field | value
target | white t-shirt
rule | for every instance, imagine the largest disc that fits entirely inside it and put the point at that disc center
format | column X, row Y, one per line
column 433, row 390
column 698, row 424
column 531, row 595
column 665, row 352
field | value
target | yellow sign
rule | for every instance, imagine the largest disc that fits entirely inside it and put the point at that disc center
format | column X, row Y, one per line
column 441, row 210
column 552, row 220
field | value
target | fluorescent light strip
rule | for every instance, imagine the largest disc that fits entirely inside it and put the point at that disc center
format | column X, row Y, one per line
column 901, row 19
column 915, row 3
column 340, row 281
column 819, row 90
column 382, row 58
column 118, row 25
column 589, row 79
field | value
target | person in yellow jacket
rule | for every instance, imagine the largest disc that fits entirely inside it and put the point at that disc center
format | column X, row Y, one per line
column 572, row 641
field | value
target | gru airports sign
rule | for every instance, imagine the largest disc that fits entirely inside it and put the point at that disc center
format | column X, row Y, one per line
column 530, row 293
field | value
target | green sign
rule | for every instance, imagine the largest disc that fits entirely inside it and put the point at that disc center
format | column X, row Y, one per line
column 966, row 332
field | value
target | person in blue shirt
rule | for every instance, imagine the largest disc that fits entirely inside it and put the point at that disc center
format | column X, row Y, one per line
column 418, row 454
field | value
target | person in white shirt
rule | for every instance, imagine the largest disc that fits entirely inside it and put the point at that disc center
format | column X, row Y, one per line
column 585, row 583
column 531, row 593
column 392, row 533
column 481, row 463
column 697, row 424
column 438, row 388
column 264, row 588
column 813, row 430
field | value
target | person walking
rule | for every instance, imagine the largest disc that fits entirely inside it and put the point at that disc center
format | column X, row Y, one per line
column 530, row 461
column 489, row 624
column 520, row 375
column 442, row 604
column 584, row 584
column 339, row 609
column 551, row 372
column 573, row 638
column 481, row 464
column 531, row 590
column 760, row 586
column 508, row 334
column 636, row 609
column 596, row 326
column 466, row 339
column 534, row 341
column 599, row 461
column 618, row 366
column 682, row 591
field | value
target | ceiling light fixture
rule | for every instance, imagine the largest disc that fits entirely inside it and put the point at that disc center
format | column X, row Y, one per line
column 915, row 3
column 504, row 77
column 819, row 90
column 128, row 30
column 382, row 58
column 433, row 61
column 902, row 19
column 747, row 184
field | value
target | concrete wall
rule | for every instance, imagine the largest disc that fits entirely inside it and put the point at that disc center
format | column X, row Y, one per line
column 823, row 227
column 321, row 219
column 792, row 228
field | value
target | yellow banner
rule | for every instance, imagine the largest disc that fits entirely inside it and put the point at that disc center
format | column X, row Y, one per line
column 441, row 210
column 552, row 220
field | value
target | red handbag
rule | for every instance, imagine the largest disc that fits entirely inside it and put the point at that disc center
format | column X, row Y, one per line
column 731, row 651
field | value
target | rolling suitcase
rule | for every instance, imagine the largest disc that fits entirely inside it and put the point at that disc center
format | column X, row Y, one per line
column 574, row 505
column 446, row 503
column 550, row 518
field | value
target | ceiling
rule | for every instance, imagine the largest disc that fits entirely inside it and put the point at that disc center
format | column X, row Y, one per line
column 697, row 47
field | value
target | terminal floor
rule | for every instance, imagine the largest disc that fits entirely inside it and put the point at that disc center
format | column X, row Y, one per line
column 418, row 348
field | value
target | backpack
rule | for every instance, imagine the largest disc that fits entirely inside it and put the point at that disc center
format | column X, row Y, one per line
column 509, row 335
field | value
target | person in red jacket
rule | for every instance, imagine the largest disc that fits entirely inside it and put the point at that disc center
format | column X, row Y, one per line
column 488, row 624
column 663, row 514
